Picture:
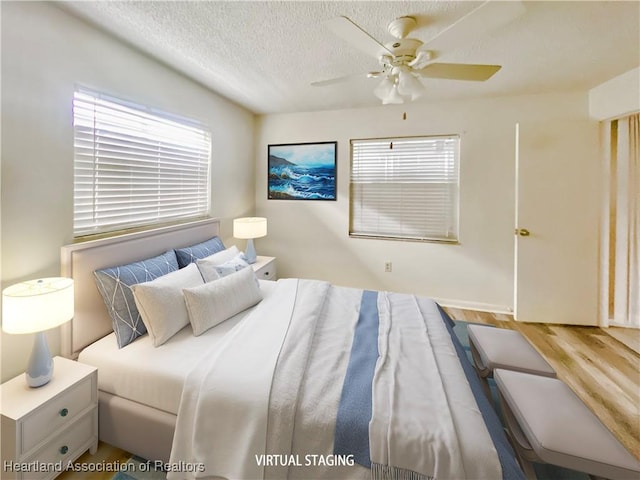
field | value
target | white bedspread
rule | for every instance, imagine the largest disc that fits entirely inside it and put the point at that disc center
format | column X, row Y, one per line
column 222, row 420
column 239, row 406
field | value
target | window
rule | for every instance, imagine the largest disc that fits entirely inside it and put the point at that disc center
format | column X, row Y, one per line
column 135, row 166
column 405, row 188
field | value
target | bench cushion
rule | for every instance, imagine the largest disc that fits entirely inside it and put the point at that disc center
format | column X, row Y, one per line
column 561, row 429
column 507, row 349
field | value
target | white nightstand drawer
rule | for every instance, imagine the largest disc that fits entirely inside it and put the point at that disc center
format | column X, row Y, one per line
column 54, row 415
column 65, row 446
column 265, row 268
column 267, row 273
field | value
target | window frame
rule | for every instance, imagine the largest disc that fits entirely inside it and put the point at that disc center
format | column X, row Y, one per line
column 117, row 138
column 453, row 234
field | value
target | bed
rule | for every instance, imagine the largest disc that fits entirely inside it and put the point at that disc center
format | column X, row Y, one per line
column 297, row 386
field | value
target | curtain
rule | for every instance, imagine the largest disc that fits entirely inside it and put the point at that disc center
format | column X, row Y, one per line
column 620, row 254
column 634, row 222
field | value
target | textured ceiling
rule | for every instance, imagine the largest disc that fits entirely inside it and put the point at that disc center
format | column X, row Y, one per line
column 264, row 55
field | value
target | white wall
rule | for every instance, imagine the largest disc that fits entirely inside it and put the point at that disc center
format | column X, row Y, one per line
column 311, row 239
column 616, row 97
column 45, row 54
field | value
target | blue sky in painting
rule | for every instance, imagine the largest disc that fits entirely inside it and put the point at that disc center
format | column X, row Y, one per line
column 316, row 155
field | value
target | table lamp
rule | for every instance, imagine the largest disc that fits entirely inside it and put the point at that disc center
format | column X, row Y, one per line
column 33, row 307
column 250, row 228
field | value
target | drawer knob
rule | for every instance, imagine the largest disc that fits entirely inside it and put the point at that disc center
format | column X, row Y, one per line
column 64, row 412
column 64, row 449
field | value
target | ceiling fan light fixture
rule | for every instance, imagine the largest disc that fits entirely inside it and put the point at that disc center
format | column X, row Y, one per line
column 393, row 97
column 383, row 90
column 405, row 61
column 409, row 85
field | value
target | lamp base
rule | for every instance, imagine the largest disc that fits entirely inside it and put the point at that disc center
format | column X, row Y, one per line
column 40, row 369
column 250, row 252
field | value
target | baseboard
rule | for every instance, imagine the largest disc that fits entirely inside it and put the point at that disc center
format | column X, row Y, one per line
column 481, row 307
column 622, row 325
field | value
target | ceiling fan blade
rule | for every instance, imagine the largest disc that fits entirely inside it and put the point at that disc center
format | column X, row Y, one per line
column 332, row 81
column 489, row 16
column 459, row 71
column 356, row 36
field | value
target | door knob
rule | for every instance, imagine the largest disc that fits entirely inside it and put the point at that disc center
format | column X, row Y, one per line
column 523, row 232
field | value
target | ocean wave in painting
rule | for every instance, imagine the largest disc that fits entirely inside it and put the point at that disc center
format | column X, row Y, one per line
column 302, row 182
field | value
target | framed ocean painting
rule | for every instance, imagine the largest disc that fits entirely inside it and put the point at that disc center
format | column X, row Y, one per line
column 302, row 171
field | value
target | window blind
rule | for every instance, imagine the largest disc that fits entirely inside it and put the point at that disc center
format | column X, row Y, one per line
column 405, row 188
column 135, row 166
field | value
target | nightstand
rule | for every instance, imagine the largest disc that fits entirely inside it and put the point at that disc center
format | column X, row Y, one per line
column 265, row 268
column 45, row 428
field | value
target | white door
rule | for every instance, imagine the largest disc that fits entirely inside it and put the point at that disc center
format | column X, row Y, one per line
column 557, row 214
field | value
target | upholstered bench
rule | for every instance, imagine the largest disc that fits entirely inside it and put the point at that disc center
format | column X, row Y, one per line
column 493, row 348
column 548, row 423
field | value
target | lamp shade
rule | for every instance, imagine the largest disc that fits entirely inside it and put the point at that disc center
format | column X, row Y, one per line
column 37, row 305
column 250, row 227
column 393, row 97
column 409, row 85
column 383, row 90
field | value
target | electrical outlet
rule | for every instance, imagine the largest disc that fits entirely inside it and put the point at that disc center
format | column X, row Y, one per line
column 387, row 266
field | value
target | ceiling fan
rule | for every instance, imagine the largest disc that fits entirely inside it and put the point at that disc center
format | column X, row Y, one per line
column 405, row 60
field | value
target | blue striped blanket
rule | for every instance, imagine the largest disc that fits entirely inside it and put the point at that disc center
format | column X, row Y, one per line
column 354, row 412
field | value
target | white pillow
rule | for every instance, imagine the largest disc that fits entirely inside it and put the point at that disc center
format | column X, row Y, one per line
column 161, row 302
column 222, row 256
column 214, row 302
column 212, row 270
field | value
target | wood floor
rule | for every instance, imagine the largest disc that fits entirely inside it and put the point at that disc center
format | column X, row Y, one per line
column 106, row 453
column 602, row 370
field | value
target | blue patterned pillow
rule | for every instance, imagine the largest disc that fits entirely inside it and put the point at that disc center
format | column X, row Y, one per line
column 115, row 284
column 190, row 254
column 232, row 266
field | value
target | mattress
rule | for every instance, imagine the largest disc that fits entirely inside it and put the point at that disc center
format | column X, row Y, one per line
column 154, row 376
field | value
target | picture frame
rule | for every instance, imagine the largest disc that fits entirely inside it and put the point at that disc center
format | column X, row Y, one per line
column 302, row 171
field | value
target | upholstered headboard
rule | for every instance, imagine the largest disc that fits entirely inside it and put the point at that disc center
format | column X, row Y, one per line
column 91, row 320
